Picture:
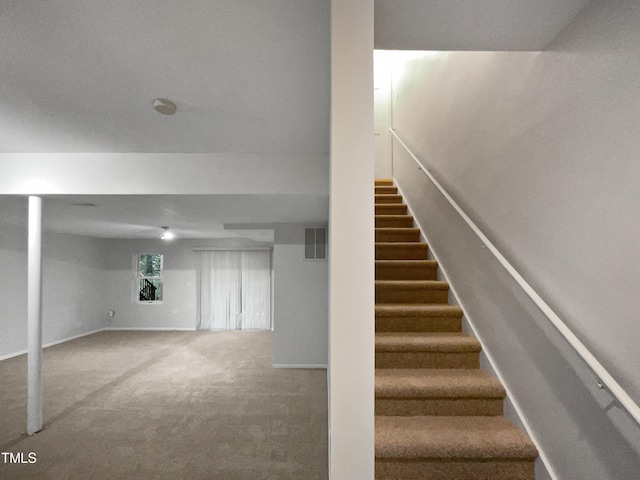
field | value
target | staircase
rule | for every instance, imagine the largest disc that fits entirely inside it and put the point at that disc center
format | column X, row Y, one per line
column 438, row 416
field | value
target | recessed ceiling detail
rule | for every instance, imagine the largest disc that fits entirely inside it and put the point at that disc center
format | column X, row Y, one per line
column 189, row 216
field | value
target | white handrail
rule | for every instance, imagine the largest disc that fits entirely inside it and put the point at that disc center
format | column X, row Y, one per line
column 603, row 375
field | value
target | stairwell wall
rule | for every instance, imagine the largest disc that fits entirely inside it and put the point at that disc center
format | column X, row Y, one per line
column 540, row 149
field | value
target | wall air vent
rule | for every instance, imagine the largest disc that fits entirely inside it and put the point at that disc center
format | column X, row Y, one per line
column 315, row 243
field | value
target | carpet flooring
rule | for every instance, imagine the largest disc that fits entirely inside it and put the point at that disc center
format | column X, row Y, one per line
column 167, row 405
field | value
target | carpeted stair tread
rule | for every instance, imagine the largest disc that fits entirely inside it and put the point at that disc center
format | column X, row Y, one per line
column 436, row 383
column 425, row 342
column 401, row 251
column 386, row 198
column 424, row 317
column 437, row 414
column 407, row 263
column 379, row 182
column 400, row 221
column 391, row 209
column 406, row 270
column 434, row 437
column 418, row 310
column 410, row 285
column 394, row 234
column 411, row 291
column 435, row 284
column 418, row 318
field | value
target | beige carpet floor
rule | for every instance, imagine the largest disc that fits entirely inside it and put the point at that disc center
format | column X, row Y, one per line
column 167, row 405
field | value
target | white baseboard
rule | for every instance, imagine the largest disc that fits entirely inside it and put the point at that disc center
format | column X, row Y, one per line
column 51, row 344
column 300, row 365
column 153, row 329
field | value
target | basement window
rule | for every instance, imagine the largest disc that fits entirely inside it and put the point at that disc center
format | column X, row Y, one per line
column 149, row 278
column 315, row 243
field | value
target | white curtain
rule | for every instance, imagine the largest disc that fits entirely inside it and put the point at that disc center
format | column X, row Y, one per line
column 235, row 290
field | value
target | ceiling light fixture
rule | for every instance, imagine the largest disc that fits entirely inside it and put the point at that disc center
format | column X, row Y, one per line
column 166, row 234
column 164, row 106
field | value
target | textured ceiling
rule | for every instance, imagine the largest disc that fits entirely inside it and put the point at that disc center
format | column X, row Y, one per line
column 471, row 24
column 247, row 75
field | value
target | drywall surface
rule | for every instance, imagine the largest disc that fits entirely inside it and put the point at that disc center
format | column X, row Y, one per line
column 351, row 251
column 178, row 308
column 73, row 287
column 471, row 25
column 163, row 173
column 301, row 301
column 541, row 149
column 247, row 76
column 13, row 289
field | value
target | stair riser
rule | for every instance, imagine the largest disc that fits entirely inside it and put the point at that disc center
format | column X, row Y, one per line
column 416, row 324
column 385, row 199
column 427, row 360
column 391, row 209
column 409, row 407
column 393, row 294
column 386, row 190
column 401, row 252
column 404, row 221
column 398, row 236
column 419, row 272
column 436, row 469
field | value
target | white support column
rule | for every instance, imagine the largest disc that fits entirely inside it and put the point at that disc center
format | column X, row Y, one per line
column 34, row 318
column 351, row 262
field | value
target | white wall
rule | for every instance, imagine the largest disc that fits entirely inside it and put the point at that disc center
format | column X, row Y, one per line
column 163, row 173
column 471, row 24
column 85, row 277
column 178, row 309
column 300, row 291
column 351, row 250
column 301, row 301
column 541, row 150
column 73, row 287
column 13, row 289
column 74, row 301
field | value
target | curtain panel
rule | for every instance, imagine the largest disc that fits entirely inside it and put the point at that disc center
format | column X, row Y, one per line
column 235, row 290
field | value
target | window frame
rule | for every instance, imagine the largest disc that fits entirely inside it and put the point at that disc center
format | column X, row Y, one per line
column 139, row 277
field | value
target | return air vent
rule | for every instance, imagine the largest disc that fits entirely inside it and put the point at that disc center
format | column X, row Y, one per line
column 315, row 243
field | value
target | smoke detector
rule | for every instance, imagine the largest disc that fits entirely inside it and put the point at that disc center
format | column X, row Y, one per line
column 164, row 106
